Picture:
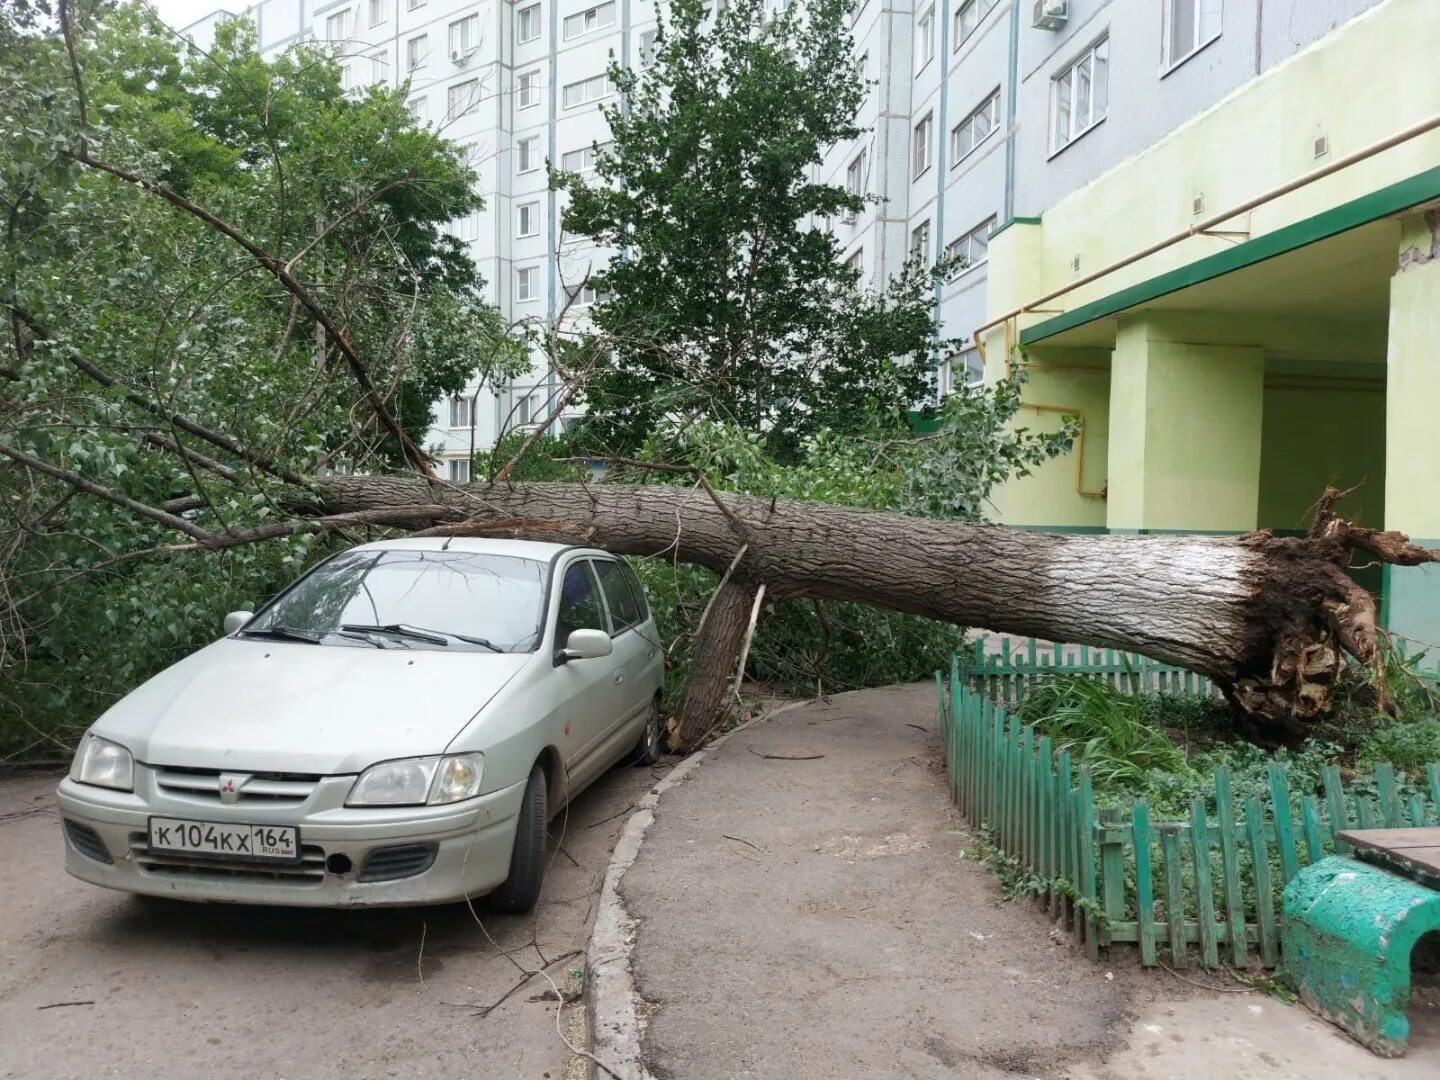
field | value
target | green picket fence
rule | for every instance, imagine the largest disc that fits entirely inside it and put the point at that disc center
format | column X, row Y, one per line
column 1207, row 886
column 1003, row 667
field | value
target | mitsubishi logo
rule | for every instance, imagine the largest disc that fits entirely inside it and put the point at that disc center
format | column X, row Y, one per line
column 231, row 785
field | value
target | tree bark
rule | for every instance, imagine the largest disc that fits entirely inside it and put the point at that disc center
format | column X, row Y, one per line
column 1269, row 619
column 702, row 705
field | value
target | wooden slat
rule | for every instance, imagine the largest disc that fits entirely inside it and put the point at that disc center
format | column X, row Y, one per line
column 1112, row 873
column 1025, row 777
column 1284, row 827
column 1369, row 819
column 1385, row 783
column 1335, row 803
column 1174, row 896
column 1045, row 773
column 1144, row 884
column 1432, row 774
column 1088, row 870
column 1310, row 823
column 1230, row 864
column 1260, row 869
column 1417, row 811
column 1204, row 887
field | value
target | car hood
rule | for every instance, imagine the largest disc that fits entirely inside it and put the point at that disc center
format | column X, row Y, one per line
column 268, row 706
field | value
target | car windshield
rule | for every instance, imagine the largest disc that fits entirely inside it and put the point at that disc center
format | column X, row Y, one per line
column 455, row 600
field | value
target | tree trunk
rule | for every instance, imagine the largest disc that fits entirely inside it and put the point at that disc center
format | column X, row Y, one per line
column 702, row 705
column 1267, row 618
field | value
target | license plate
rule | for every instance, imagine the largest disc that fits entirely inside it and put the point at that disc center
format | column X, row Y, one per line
column 217, row 840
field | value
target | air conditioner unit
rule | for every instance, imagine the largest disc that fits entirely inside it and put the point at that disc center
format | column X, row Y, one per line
column 458, row 56
column 1050, row 14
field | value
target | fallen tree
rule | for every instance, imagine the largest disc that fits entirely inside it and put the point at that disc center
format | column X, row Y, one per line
column 1270, row 619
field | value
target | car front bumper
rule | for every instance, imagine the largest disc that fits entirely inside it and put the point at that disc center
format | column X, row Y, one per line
column 471, row 844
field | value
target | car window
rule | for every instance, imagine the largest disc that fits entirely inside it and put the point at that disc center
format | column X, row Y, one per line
column 499, row 598
column 625, row 611
column 580, row 604
column 637, row 589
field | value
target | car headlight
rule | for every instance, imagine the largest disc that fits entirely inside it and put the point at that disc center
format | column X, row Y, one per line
column 419, row 781
column 104, row 764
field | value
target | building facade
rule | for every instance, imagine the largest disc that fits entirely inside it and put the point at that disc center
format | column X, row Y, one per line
column 1220, row 386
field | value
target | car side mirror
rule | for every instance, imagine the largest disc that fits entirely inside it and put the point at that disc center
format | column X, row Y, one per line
column 585, row 645
column 236, row 619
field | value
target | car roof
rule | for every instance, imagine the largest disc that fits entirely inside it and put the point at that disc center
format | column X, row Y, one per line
column 520, row 549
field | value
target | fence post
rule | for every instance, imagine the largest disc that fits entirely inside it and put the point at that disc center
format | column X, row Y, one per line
column 1260, row 869
column 1112, row 867
column 1086, row 808
column 1230, row 864
column 1284, row 826
column 1144, row 885
column 1204, row 888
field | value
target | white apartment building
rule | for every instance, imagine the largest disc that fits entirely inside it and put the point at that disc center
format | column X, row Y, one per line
column 981, row 113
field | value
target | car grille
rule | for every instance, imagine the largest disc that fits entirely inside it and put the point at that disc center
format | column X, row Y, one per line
column 268, row 788
column 400, row 861
column 310, row 870
column 87, row 841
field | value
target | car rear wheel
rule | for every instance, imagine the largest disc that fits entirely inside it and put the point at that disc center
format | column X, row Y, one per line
column 647, row 750
column 521, row 889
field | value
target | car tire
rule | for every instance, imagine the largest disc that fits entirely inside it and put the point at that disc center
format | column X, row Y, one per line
column 521, row 889
column 647, row 751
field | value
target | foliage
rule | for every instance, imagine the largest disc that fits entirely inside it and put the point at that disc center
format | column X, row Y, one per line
column 343, row 188
column 543, row 460
column 729, row 300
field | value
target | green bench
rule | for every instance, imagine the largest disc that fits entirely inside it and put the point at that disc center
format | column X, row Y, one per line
column 1351, row 926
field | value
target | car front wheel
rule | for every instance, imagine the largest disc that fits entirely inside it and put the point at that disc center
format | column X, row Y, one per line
column 647, row 750
column 521, row 889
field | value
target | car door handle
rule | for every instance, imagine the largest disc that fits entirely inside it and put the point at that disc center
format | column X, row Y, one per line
column 619, row 677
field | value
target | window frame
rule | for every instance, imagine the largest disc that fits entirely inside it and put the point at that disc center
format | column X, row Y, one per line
column 522, row 154
column 616, row 626
column 566, row 35
column 917, row 143
column 967, row 239
column 472, row 97
column 531, row 211
column 606, row 87
column 982, row 9
column 592, row 151
column 583, row 564
column 527, row 274
column 920, row 242
column 339, row 19
column 380, row 65
column 1168, row 61
column 411, row 64
column 420, row 115
column 414, row 5
column 647, row 48
column 1074, row 134
column 991, row 102
column 925, row 35
column 456, row 466
column 466, row 47
column 377, row 6
column 522, row 16
column 524, row 89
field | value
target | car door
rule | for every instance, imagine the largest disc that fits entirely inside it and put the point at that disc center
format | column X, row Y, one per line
column 589, row 694
column 635, row 652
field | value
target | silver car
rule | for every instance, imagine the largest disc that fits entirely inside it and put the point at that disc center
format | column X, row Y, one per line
column 396, row 727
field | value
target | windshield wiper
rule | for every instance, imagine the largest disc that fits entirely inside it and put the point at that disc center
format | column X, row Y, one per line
column 415, row 633
column 395, row 630
column 283, row 633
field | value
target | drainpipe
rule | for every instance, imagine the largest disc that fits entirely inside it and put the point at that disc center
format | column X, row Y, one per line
column 942, row 140
column 1011, row 108
column 552, row 229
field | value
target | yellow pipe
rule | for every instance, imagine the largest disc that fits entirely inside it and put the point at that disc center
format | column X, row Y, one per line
column 1070, row 410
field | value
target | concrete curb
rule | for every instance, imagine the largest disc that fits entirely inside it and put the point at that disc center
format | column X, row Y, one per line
column 611, row 999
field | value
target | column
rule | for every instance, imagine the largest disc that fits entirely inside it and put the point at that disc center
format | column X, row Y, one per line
column 1412, row 453
column 1185, row 422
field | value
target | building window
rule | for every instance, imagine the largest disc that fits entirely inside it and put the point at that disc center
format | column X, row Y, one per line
column 379, row 67
column 1079, row 95
column 647, row 48
column 527, row 219
column 470, row 154
column 855, row 175
column 464, row 37
column 466, row 228
column 414, row 5
column 377, row 12
column 347, row 79
column 974, row 129
column 418, row 108
column 854, row 262
column 529, row 88
column 526, row 410
column 920, row 242
column 1190, row 25
column 586, row 90
column 962, row 369
column 337, row 26
column 590, row 20
column 971, row 14
column 971, row 249
column 459, row 470
column 462, row 99
column 527, row 154
column 925, row 40
column 920, row 145
column 580, row 161
column 527, row 24
column 526, row 283
column 417, row 52
column 462, row 410
column 585, row 295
